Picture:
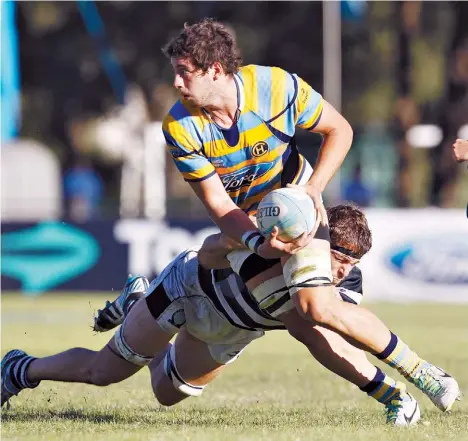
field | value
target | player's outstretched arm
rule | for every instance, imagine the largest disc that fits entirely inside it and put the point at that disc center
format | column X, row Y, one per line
column 215, row 248
column 337, row 138
column 237, row 225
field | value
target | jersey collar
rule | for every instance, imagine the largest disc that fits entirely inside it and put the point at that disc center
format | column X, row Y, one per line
column 240, row 92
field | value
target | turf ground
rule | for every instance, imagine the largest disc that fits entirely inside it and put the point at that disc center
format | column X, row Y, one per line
column 274, row 392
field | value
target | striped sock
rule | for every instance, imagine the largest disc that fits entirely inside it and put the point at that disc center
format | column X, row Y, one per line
column 18, row 371
column 383, row 388
column 399, row 356
column 22, row 368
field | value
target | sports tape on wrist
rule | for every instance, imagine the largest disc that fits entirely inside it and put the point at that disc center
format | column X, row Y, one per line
column 252, row 240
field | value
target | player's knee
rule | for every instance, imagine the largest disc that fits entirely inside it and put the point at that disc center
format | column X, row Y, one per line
column 126, row 351
column 165, row 390
column 167, row 397
column 169, row 386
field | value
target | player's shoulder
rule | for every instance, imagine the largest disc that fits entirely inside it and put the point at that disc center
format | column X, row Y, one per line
column 184, row 113
column 350, row 288
column 269, row 89
column 264, row 76
column 353, row 281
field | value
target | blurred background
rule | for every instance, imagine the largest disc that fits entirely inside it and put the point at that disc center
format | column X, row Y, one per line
column 89, row 194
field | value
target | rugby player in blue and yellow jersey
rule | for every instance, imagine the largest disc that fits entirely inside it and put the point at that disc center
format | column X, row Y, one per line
column 232, row 137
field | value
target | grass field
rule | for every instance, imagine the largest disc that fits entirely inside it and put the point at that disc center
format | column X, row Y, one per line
column 274, row 392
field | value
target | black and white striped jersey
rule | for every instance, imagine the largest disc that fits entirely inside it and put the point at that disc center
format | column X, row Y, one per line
column 233, row 300
column 350, row 288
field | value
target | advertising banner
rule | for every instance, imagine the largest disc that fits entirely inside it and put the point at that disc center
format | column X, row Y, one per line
column 92, row 256
column 417, row 255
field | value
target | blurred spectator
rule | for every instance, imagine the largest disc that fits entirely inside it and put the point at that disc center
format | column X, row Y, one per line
column 83, row 191
column 358, row 192
column 30, row 182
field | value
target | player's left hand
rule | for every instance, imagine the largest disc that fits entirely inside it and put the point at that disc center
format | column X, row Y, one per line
column 316, row 196
column 273, row 248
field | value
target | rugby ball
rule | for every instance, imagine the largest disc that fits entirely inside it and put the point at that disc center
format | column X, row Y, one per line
column 291, row 210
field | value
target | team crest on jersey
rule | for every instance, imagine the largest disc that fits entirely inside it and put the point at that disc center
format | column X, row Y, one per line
column 260, row 148
column 217, row 162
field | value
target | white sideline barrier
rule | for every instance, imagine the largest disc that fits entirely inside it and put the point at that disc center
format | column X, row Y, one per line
column 417, row 255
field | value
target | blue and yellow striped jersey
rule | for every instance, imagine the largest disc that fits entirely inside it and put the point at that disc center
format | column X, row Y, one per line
column 257, row 154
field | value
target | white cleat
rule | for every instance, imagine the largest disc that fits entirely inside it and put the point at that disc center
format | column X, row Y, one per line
column 441, row 388
column 114, row 313
column 403, row 410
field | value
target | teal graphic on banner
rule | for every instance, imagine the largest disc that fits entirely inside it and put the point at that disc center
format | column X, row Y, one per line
column 46, row 255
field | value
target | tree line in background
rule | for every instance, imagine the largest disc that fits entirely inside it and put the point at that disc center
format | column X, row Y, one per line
column 404, row 63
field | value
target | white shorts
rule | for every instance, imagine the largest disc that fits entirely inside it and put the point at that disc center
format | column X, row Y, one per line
column 184, row 304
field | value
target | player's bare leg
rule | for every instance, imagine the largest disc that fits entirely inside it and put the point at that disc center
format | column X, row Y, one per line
column 336, row 354
column 350, row 363
column 80, row 365
column 136, row 343
column 319, row 305
column 191, row 363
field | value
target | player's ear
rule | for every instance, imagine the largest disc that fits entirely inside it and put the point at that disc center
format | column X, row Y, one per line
column 217, row 70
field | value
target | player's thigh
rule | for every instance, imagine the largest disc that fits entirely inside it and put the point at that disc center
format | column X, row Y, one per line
column 141, row 334
column 135, row 344
column 187, row 368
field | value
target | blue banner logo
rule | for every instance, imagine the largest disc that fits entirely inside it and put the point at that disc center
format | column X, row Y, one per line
column 46, row 255
column 433, row 259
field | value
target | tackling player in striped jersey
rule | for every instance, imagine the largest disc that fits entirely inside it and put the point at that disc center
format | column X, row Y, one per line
column 216, row 317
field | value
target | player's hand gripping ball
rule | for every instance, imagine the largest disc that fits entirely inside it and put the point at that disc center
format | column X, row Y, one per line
column 291, row 210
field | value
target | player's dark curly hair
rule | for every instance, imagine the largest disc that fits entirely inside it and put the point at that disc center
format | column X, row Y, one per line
column 205, row 43
column 349, row 228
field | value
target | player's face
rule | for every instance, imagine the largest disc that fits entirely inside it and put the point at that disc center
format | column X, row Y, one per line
column 341, row 265
column 193, row 84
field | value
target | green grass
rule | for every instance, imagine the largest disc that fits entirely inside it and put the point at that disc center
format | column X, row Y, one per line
column 274, row 392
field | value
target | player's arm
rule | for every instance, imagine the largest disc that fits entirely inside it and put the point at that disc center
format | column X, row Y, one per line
column 183, row 143
column 319, row 116
column 215, row 248
column 337, row 138
column 237, row 225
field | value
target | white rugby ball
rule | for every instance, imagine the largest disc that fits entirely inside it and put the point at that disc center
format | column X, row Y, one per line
column 291, row 210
